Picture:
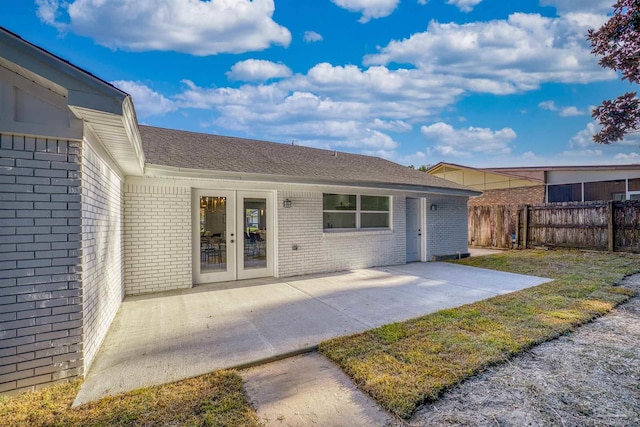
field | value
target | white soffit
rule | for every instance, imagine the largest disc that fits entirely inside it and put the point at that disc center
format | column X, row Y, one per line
column 119, row 135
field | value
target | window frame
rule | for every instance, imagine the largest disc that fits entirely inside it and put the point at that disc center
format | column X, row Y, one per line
column 358, row 213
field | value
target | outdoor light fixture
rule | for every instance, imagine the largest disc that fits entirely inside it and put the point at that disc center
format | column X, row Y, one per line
column 433, row 207
column 286, row 203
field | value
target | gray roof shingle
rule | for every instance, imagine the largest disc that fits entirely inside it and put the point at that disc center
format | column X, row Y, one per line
column 190, row 150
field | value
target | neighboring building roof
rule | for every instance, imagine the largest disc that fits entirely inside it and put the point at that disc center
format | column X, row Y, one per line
column 107, row 110
column 513, row 177
column 485, row 179
column 633, row 166
column 269, row 160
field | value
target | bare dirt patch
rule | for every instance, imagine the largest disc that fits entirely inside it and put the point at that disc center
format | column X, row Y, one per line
column 590, row 377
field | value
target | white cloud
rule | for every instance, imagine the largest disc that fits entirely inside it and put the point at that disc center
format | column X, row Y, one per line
column 258, row 70
column 632, row 157
column 464, row 5
column 548, row 105
column 423, row 2
column 370, row 9
column 391, row 125
column 279, row 114
column 147, row 102
column 501, row 56
column 564, row 111
column 379, row 140
column 465, row 142
column 48, row 11
column 312, row 36
column 571, row 111
column 579, row 6
column 584, row 138
column 586, row 153
column 190, row 26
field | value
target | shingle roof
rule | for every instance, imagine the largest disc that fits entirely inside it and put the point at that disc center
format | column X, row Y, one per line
column 181, row 149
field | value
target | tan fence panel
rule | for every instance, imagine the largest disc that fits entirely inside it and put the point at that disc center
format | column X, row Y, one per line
column 491, row 226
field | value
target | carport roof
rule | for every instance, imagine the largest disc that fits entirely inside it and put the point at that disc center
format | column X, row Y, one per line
column 254, row 159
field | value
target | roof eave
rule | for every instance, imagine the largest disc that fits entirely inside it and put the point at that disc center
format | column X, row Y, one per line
column 84, row 89
column 108, row 110
column 177, row 172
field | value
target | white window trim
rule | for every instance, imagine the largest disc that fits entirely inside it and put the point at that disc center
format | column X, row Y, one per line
column 358, row 212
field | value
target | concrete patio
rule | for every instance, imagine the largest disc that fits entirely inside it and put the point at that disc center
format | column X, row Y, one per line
column 166, row 337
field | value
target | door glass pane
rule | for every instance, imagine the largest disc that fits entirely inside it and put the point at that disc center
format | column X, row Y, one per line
column 255, row 233
column 213, row 234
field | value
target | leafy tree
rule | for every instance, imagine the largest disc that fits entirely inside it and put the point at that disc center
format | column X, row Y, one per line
column 618, row 43
column 422, row 168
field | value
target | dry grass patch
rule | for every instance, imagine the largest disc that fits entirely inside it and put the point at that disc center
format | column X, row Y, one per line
column 215, row 399
column 404, row 365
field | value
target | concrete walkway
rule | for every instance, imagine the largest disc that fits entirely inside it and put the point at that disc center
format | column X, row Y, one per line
column 171, row 336
column 309, row 390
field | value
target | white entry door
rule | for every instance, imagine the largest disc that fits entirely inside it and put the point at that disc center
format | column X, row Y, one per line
column 232, row 235
column 414, row 231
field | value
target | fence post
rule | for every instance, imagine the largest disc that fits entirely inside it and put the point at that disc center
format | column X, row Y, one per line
column 517, row 243
column 611, row 233
column 525, row 227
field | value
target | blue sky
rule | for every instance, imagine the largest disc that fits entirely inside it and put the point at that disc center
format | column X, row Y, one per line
column 476, row 82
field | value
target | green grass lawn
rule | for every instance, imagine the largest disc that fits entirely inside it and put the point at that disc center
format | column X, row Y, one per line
column 215, row 399
column 404, row 365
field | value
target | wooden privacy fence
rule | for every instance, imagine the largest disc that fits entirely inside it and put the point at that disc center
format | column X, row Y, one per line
column 491, row 226
column 609, row 226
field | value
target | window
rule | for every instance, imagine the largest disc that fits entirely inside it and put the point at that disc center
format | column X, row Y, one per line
column 565, row 193
column 351, row 211
column 634, row 184
column 605, row 190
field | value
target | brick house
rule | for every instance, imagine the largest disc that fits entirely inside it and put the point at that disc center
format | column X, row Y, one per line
column 94, row 207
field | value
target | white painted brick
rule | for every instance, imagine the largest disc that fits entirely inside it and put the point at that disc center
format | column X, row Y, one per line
column 157, row 238
column 446, row 226
column 102, row 238
column 318, row 252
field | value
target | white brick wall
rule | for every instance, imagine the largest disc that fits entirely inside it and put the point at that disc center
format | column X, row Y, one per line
column 102, row 249
column 157, row 238
column 319, row 252
column 446, row 226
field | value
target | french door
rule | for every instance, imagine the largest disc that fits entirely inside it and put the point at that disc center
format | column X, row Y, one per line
column 232, row 235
